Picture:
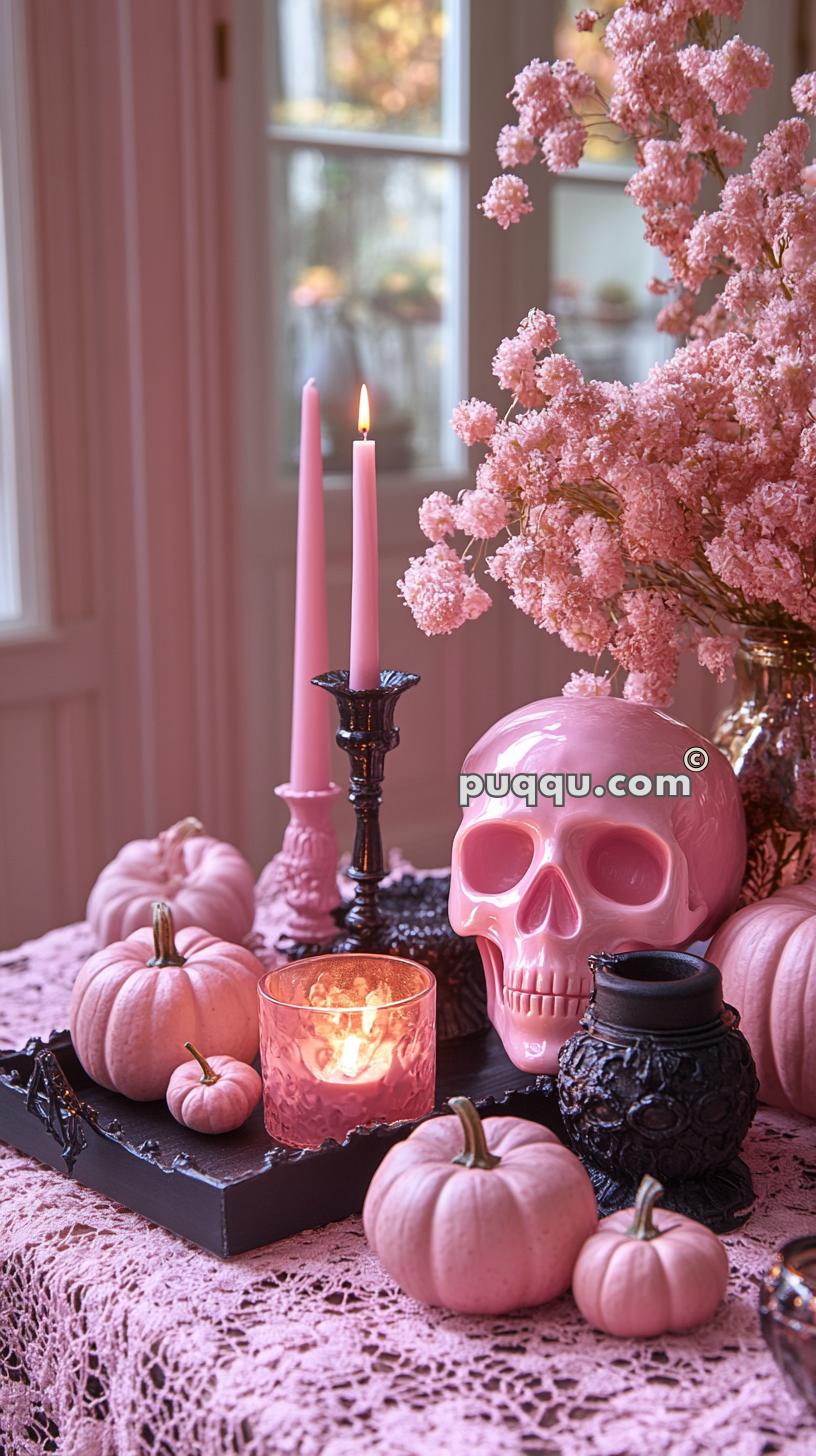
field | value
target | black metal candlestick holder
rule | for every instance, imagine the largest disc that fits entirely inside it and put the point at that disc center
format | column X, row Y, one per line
column 410, row 916
column 367, row 733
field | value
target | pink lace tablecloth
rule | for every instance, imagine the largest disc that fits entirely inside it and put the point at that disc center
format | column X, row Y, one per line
column 119, row 1339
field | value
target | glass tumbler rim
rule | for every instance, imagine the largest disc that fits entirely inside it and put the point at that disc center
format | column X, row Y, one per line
column 415, row 998
column 790, row 1257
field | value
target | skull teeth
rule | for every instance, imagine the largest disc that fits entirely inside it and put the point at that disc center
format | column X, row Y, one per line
column 547, row 982
column 530, row 1003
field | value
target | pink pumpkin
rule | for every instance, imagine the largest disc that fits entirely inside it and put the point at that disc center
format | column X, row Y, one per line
column 204, row 881
column 133, row 1003
column 767, row 956
column 646, row 1274
column 215, row 1095
column 490, row 1228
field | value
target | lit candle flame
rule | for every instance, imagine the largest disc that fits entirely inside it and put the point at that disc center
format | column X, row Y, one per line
column 364, row 414
column 368, row 1019
column 350, row 1056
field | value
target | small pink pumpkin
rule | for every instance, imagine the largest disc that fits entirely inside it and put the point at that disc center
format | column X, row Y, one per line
column 204, row 881
column 767, row 955
column 485, row 1229
column 215, row 1095
column 647, row 1274
column 133, row 1003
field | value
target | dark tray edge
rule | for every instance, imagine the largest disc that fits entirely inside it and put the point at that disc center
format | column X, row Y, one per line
column 43, row 1116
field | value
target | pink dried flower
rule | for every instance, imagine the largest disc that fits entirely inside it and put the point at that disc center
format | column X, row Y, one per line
column 581, row 624
column 676, row 317
column 481, row 514
column 691, row 60
column 717, row 654
column 436, row 518
column 729, row 147
column 440, row 593
column 563, row 145
column 667, row 175
column 514, row 365
column 598, row 485
column 557, row 372
column 587, row 685
column 514, row 147
column 506, row 200
column 807, row 448
column 600, row 559
column 575, row 84
column 539, row 330
column 667, row 228
column 647, row 640
column 519, row 563
column 474, row 421
column 742, row 230
column 703, row 247
column 632, row 29
column 731, row 73
column 778, row 164
column 539, row 98
column 654, row 688
column 586, row 19
column 803, row 92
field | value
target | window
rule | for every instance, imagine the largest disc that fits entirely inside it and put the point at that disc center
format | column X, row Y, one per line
column 367, row 150
column 600, row 264
column 23, row 592
column 370, row 198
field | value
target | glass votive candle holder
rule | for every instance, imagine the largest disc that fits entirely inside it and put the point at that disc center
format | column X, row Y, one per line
column 346, row 1041
column 787, row 1308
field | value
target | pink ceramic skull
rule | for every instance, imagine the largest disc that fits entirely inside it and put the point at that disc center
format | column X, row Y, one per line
column 618, row 857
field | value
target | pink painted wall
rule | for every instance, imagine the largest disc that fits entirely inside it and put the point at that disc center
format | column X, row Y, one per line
column 124, row 718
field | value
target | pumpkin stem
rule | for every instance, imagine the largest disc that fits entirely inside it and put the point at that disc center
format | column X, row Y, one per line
column 475, row 1153
column 172, row 840
column 642, row 1226
column 209, row 1077
column 164, row 945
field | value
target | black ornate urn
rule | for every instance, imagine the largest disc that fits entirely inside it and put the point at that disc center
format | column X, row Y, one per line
column 661, row 1080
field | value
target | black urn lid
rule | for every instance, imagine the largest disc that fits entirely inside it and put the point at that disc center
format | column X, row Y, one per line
column 655, row 990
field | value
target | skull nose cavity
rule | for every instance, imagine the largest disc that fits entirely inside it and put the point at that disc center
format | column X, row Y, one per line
column 549, row 905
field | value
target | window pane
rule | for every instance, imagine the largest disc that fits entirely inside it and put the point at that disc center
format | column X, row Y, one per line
column 600, row 267
column 365, row 250
column 607, row 143
column 365, row 65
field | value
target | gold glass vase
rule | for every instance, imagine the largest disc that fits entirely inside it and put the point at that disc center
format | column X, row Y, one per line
column 769, row 735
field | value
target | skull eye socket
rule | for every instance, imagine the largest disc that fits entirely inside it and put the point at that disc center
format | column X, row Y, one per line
column 626, row 866
column 494, row 857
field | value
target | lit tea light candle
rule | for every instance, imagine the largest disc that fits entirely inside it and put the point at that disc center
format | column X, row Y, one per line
column 346, row 1041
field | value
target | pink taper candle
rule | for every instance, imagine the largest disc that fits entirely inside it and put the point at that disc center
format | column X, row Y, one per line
column 365, row 562
column 309, row 762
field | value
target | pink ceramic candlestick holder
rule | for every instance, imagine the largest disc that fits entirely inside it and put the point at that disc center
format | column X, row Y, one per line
column 346, row 1041
column 306, row 867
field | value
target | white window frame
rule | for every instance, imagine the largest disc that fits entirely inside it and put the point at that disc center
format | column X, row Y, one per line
column 23, row 525
column 502, row 274
column 454, row 145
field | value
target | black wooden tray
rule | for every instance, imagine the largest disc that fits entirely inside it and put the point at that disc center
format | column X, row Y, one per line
column 240, row 1190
